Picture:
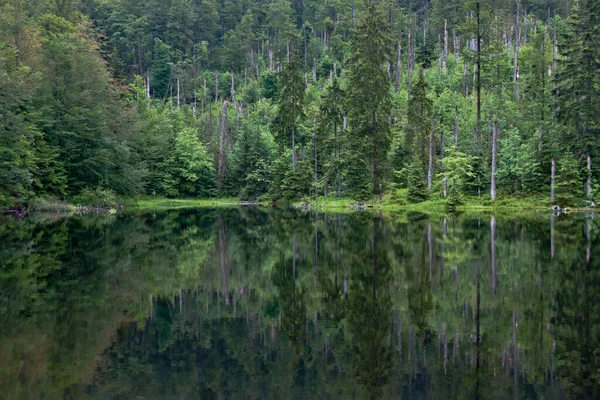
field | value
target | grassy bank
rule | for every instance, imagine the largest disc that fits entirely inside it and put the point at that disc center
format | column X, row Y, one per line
column 157, row 203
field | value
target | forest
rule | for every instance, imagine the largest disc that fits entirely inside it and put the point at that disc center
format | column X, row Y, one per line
column 285, row 100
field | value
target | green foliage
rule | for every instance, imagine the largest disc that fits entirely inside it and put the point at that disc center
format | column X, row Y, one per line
column 417, row 188
column 98, row 196
column 569, row 187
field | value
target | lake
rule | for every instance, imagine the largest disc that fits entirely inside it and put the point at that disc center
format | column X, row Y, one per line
column 248, row 303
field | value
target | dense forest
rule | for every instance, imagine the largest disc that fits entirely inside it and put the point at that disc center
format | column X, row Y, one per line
column 288, row 99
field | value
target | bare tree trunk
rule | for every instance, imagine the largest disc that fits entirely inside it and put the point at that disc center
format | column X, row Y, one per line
column 439, row 57
column 456, row 46
column 210, row 123
column 178, row 104
column 147, row 84
column 553, row 182
column 233, row 88
column 409, row 61
column 554, row 46
column 588, row 184
column 430, row 170
column 216, row 86
column 314, row 71
column 398, row 67
column 315, row 155
column 515, row 54
column 494, row 160
column 222, row 152
column 456, row 127
column 270, row 58
column 442, row 153
column 478, row 73
column 445, row 55
column 204, row 96
column 294, row 146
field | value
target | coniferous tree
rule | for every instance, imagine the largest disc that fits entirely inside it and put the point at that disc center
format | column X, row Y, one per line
column 369, row 102
column 290, row 100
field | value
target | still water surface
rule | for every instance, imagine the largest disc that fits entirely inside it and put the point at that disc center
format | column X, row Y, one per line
column 254, row 304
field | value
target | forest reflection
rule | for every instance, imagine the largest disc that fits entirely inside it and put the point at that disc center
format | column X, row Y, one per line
column 252, row 303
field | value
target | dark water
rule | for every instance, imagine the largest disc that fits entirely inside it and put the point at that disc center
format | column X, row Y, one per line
column 243, row 303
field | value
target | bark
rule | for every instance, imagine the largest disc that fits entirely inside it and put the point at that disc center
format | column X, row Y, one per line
column 445, row 55
column 222, row 145
column 430, row 170
column 216, row 86
column 588, row 184
column 442, row 153
column 316, row 161
column 478, row 73
column 147, row 84
column 233, row 87
column 314, row 71
column 456, row 128
column 439, row 57
column 204, row 96
column 553, row 182
column 294, row 146
column 494, row 160
column 515, row 54
column 456, row 46
column 178, row 104
column 554, row 46
column 210, row 123
column 398, row 67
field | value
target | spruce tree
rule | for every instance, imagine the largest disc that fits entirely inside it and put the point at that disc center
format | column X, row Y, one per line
column 369, row 102
column 290, row 100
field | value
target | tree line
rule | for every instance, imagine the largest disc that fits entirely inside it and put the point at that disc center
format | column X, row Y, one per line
column 293, row 99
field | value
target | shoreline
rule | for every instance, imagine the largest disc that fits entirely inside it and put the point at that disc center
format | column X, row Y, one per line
column 342, row 205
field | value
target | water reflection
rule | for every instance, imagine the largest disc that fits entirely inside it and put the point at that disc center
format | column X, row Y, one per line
column 278, row 304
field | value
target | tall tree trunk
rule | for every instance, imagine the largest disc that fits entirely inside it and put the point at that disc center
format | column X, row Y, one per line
column 442, row 154
column 398, row 67
column 314, row 71
column 554, row 45
column 456, row 127
column 515, row 54
column 216, row 86
column 445, row 55
column 588, row 184
column 494, row 160
column 430, row 170
column 178, row 104
column 204, row 96
column 439, row 57
column 222, row 147
column 294, row 146
column 233, row 88
column 553, row 181
column 478, row 74
column 315, row 155
column 456, row 41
